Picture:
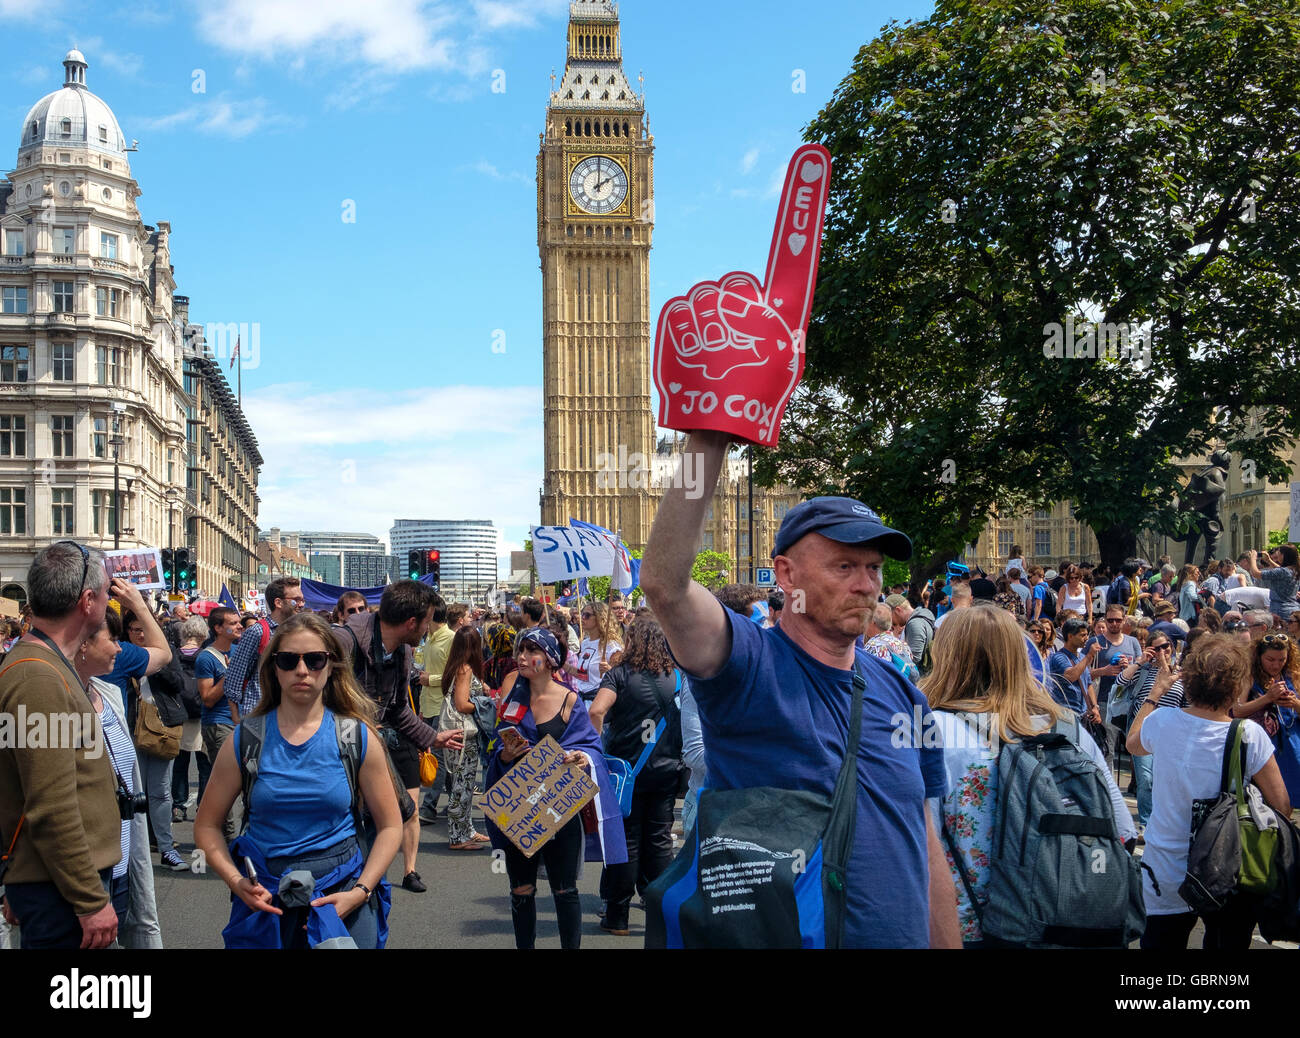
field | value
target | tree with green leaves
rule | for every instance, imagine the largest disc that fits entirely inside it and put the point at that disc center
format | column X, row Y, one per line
column 1019, row 186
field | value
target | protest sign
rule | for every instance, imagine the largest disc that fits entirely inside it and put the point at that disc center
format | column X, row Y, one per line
column 563, row 554
column 536, row 798
column 139, row 566
column 729, row 353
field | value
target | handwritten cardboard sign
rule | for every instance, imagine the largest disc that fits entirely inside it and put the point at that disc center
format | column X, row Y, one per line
column 536, row 798
column 729, row 353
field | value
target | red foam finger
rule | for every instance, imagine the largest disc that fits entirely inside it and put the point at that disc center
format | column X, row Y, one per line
column 797, row 241
column 683, row 333
column 704, row 300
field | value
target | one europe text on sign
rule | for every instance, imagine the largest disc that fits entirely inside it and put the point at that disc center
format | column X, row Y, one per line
column 536, row 798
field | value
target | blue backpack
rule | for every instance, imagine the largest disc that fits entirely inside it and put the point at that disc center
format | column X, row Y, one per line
column 624, row 774
column 762, row 867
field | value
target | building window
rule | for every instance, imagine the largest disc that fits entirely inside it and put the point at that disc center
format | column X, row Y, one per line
column 63, row 296
column 13, row 436
column 107, row 245
column 14, row 243
column 65, row 127
column 113, row 366
column 61, row 361
column 1042, row 543
column 110, row 302
column 13, row 299
column 61, row 511
column 1040, row 513
column 61, row 432
column 64, row 240
column 13, row 510
column 1073, row 542
column 103, row 516
column 103, row 134
column 1004, row 544
column 13, row 363
column 99, row 438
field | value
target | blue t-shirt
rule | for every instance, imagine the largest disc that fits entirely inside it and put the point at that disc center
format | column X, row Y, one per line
column 131, row 662
column 208, row 666
column 301, row 802
column 1128, row 646
column 1039, row 594
column 1064, row 691
column 774, row 716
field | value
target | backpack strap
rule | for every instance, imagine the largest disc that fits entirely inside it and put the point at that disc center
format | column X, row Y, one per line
column 966, row 880
column 347, row 731
column 252, row 734
column 837, row 841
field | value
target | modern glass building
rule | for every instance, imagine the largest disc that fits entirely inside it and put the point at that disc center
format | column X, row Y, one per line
column 469, row 550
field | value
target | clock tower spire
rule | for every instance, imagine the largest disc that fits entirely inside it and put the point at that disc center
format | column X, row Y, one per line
column 595, row 215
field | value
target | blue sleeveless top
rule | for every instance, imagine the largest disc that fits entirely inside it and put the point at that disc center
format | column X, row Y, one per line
column 300, row 803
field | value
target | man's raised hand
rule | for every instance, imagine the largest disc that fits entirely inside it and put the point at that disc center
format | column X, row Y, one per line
column 729, row 354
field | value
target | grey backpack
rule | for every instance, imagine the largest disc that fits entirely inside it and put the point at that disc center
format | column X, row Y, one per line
column 1060, row 877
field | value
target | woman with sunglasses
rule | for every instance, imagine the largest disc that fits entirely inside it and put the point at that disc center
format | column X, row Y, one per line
column 1075, row 594
column 1134, row 685
column 533, row 706
column 300, row 803
column 599, row 643
column 1038, row 634
column 1271, row 702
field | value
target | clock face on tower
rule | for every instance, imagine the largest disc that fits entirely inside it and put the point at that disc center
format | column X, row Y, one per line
column 598, row 184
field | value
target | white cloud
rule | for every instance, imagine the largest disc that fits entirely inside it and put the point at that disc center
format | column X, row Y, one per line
column 489, row 170
column 508, row 14
column 217, row 116
column 25, row 11
column 397, row 34
column 359, row 459
column 749, row 161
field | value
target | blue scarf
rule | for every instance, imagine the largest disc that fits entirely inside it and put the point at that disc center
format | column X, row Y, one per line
column 608, row 843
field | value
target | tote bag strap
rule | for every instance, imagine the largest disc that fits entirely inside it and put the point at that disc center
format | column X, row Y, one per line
column 837, row 841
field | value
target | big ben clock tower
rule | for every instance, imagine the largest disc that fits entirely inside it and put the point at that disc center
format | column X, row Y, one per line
column 595, row 215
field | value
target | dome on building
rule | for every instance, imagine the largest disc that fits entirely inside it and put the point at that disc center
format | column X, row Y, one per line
column 73, row 116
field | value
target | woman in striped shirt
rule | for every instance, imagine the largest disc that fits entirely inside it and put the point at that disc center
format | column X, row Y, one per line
column 1136, row 681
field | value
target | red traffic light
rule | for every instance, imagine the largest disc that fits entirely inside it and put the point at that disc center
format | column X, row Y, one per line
column 435, row 555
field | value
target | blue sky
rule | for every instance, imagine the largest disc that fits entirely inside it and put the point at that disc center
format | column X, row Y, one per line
column 376, row 393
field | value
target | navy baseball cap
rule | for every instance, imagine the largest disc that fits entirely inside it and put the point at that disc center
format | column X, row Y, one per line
column 841, row 519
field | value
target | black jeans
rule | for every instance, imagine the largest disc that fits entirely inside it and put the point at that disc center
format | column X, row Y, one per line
column 649, row 830
column 46, row 920
column 562, row 855
column 1228, row 930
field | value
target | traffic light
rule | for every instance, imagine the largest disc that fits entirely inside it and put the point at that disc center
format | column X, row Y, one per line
column 182, row 563
column 415, row 563
column 434, row 567
column 194, row 571
column 168, row 570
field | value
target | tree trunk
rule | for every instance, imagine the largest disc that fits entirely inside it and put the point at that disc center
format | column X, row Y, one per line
column 1116, row 544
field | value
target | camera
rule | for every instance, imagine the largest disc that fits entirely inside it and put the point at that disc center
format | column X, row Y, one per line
column 130, row 804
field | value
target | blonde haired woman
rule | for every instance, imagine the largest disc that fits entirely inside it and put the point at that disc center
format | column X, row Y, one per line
column 300, row 815
column 982, row 694
column 600, row 641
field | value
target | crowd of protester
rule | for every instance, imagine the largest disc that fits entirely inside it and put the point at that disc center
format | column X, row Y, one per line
column 1149, row 663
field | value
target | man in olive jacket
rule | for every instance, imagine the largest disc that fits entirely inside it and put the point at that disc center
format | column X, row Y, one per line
column 59, row 820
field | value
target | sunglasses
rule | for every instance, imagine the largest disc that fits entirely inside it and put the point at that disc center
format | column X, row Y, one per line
column 85, row 563
column 588, row 616
column 1232, row 628
column 288, row 661
column 1160, row 648
column 1279, row 640
column 354, row 609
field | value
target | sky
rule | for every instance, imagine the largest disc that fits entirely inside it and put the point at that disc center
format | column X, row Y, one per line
column 356, row 181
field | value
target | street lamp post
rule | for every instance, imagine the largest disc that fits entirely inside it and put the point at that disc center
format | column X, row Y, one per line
column 116, row 441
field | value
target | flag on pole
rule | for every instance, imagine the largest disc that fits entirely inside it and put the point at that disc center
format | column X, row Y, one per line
column 627, row 570
column 234, row 354
column 227, row 599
